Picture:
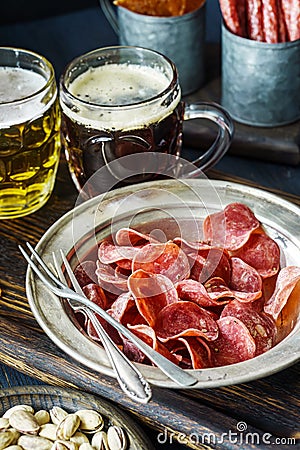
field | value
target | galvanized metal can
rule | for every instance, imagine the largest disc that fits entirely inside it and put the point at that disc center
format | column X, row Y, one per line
column 180, row 38
column 260, row 81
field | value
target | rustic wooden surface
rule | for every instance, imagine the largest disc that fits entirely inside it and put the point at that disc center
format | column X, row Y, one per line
column 269, row 405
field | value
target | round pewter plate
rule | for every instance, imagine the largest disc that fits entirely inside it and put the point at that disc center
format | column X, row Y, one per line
column 46, row 397
column 164, row 205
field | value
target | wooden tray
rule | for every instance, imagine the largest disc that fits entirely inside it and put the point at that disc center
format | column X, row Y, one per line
column 270, row 405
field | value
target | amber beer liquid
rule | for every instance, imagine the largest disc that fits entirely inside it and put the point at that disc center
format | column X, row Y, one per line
column 119, row 109
column 29, row 140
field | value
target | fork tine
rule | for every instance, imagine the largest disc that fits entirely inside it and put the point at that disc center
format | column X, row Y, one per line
column 72, row 277
column 44, row 266
column 35, row 268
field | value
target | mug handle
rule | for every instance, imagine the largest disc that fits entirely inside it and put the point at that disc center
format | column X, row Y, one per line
column 218, row 115
column 110, row 14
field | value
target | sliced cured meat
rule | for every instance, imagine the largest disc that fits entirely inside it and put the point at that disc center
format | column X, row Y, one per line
column 191, row 246
column 109, row 279
column 234, row 343
column 95, row 293
column 231, row 227
column 218, row 289
column 199, row 352
column 111, row 331
column 124, row 310
column 262, row 253
column 244, row 278
column 287, row 280
column 213, row 263
column 167, row 259
column 194, row 291
column 185, row 318
column 109, row 253
column 147, row 334
column 152, row 292
column 85, row 273
column 129, row 237
column 261, row 326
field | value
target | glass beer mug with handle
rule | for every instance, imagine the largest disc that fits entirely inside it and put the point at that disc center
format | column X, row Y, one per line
column 120, row 101
column 29, row 131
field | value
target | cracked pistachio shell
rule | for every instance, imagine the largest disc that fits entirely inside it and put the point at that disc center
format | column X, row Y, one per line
column 42, row 416
column 28, row 442
column 57, row 414
column 99, row 441
column 4, row 423
column 24, row 421
column 48, row 431
column 116, row 438
column 79, row 438
column 68, row 427
column 7, row 413
column 90, row 420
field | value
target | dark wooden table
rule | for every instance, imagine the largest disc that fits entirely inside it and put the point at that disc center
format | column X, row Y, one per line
column 29, row 357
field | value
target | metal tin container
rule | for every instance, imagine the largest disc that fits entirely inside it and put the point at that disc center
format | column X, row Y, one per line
column 180, row 38
column 260, row 81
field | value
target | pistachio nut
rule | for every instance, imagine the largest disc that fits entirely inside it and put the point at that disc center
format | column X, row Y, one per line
column 7, row 437
column 14, row 447
column 86, row 446
column 64, row 445
column 99, row 441
column 90, row 420
column 48, row 431
column 42, row 416
column 116, row 438
column 68, row 426
column 7, row 413
column 4, row 423
column 24, row 421
column 57, row 414
column 28, row 442
column 79, row 438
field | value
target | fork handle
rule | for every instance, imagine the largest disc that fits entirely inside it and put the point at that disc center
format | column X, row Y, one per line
column 170, row 369
column 130, row 379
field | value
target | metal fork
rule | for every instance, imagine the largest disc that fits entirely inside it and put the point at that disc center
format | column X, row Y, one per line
column 180, row 376
column 129, row 377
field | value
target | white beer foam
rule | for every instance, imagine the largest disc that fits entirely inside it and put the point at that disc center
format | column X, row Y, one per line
column 120, row 85
column 17, row 84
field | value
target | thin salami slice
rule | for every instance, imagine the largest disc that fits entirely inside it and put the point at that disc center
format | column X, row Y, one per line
column 167, row 259
column 95, row 293
column 109, row 253
column 199, row 352
column 194, row 291
column 152, row 292
column 130, row 237
column 244, row 278
column 214, row 263
column 234, row 343
column 147, row 334
column 85, row 273
column 185, row 318
column 287, row 280
column 217, row 289
column 230, row 228
column 109, row 280
column 261, row 326
column 262, row 253
column 111, row 331
column 124, row 310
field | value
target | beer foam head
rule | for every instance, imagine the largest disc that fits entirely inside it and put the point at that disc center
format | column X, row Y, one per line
column 120, row 96
column 17, row 84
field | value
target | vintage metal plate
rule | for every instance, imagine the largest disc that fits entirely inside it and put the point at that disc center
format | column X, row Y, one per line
column 170, row 206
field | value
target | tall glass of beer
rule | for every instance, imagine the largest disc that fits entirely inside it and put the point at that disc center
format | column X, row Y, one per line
column 29, row 132
column 120, row 101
